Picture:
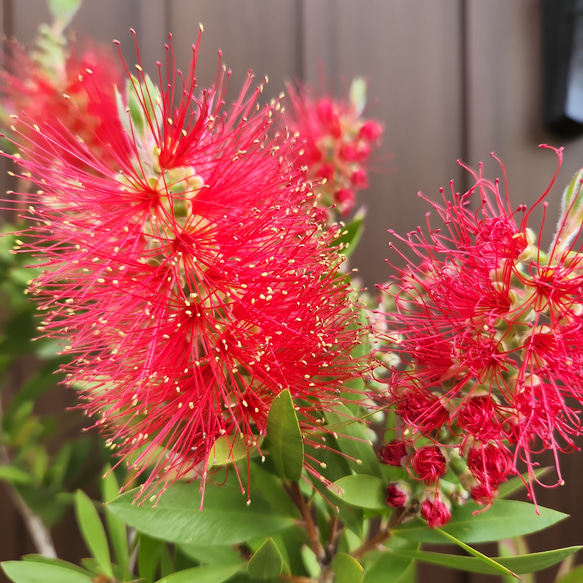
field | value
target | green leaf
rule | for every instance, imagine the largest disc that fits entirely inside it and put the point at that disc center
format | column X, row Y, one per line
column 386, row 567
column 571, row 215
column 347, row 569
column 357, row 94
column 206, row 574
column 267, row 562
column 520, row 564
column 149, row 554
column 14, row 475
column 490, row 563
column 34, row 558
column 227, row 449
column 574, row 576
column 64, row 11
column 93, row 532
column 350, row 235
column 36, row 572
column 353, row 440
column 504, row 519
column 361, row 490
column 518, row 483
column 211, row 555
column 115, row 527
column 285, row 438
column 225, row 519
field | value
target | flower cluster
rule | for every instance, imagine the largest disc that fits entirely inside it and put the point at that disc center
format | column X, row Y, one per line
column 489, row 334
column 185, row 271
column 337, row 142
column 50, row 83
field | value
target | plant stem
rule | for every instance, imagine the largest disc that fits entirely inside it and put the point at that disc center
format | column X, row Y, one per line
column 311, row 529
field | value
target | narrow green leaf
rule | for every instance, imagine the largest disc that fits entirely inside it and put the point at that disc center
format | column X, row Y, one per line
column 347, row 569
column 35, row 572
column 14, row 475
column 520, row 564
column 267, row 562
column 34, row 558
column 206, row 574
column 285, row 438
column 350, row 235
column 385, row 567
column 490, row 563
column 115, row 527
column 224, row 520
column 92, row 531
column 518, row 483
column 362, row 491
column 571, row 214
column 149, row 555
column 504, row 519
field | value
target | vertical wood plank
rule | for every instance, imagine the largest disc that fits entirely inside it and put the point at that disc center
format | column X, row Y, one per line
column 257, row 35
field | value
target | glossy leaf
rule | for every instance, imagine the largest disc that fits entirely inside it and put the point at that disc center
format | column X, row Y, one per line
column 517, row 483
column 519, row 564
column 224, row 520
column 93, row 532
column 346, row 569
column 35, row 572
column 211, row 554
column 205, row 574
column 504, row 519
column 361, row 490
column 267, row 562
column 285, row 438
column 386, row 567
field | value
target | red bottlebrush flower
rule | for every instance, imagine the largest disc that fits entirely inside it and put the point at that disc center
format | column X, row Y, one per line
column 489, row 329
column 337, row 142
column 188, row 277
column 392, row 453
column 421, row 410
column 490, row 465
column 429, row 464
column 54, row 86
column 398, row 494
column 435, row 511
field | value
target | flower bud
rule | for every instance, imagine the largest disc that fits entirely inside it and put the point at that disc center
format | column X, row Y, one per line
column 398, row 494
column 429, row 464
column 435, row 511
column 392, row 453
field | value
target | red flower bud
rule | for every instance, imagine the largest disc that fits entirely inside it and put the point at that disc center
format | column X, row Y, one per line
column 429, row 464
column 398, row 494
column 392, row 453
column 371, row 130
column 435, row 511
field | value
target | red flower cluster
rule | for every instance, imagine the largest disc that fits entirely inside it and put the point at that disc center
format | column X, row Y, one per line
column 186, row 272
column 54, row 86
column 490, row 335
column 337, row 142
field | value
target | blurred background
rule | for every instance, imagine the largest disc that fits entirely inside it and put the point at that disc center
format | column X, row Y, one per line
column 450, row 79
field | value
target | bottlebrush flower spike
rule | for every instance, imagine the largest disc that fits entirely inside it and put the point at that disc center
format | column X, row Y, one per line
column 489, row 329
column 337, row 142
column 188, row 278
column 50, row 82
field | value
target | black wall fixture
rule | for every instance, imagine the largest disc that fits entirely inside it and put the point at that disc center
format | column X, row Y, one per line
column 562, row 45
